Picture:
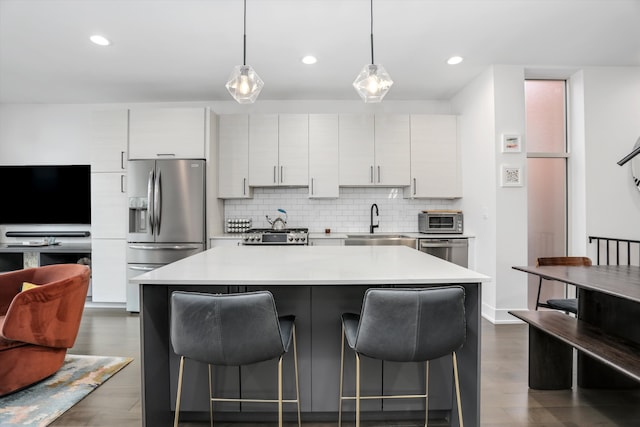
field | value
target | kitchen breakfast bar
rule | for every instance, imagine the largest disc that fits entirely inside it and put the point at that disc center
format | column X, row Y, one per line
column 316, row 284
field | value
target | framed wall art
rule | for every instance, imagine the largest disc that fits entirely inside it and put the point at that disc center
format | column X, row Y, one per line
column 510, row 176
column 511, row 143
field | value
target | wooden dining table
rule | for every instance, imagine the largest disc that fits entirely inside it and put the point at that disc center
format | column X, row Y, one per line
column 607, row 327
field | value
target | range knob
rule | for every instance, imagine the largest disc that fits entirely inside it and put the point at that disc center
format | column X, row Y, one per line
column 290, row 238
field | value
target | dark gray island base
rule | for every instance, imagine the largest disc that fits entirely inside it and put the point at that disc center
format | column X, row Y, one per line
column 317, row 299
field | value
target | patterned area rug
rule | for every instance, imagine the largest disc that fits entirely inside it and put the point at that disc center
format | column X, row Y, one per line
column 40, row 404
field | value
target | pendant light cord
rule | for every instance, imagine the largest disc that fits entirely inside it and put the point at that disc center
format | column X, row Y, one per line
column 244, row 37
column 371, row 9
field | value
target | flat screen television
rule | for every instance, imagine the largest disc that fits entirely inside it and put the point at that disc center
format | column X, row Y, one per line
column 45, row 194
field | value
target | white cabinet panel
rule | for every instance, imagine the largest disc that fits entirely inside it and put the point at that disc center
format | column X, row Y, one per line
column 108, row 270
column 278, row 149
column 263, row 150
column 227, row 241
column 374, row 150
column 108, row 205
column 356, row 134
column 324, row 164
column 109, row 140
column 392, row 149
column 293, row 149
column 435, row 157
column 233, row 158
column 167, row 132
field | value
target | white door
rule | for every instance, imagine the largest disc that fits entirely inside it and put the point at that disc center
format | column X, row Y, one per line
column 392, row 150
column 108, row 205
column 293, row 149
column 324, row 165
column 108, row 270
column 233, row 158
column 167, row 133
column 435, row 160
column 263, row 150
column 109, row 140
column 356, row 139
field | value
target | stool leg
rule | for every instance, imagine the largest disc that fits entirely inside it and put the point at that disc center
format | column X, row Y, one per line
column 357, row 390
column 280, row 392
column 179, row 396
column 457, row 380
column 426, row 393
column 295, row 361
column 210, row 395
column 341, row 379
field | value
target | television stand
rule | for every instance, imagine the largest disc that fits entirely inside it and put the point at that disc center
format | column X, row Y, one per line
column 16, row 257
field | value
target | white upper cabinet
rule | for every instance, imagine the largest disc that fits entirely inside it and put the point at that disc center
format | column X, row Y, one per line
column 374, row 150
column 356, row 149
column 392, row 149
column 435, row 157
column 293, row 149
column 109, row 140
column 167, row 133
column 324, row 165
column 263, row 150
column 278, row 149
column 233, row 156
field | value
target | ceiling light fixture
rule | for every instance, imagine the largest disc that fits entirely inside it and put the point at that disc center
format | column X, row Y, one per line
column 455, row 60
column 100, row 40
column 373, row 82
column 244, row 83
column 309, row 60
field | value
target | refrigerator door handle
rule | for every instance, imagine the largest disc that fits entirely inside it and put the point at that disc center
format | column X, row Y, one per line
column 150, row 202
column 164, row 248
column 133, row 267
column 157, row 200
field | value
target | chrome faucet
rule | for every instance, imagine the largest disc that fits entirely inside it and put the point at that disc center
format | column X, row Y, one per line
column 371, row 226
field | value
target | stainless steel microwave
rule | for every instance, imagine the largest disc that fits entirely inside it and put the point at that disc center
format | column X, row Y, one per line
column 440, row 222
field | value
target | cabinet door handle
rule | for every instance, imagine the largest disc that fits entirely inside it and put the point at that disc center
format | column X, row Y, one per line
column 122, row 160
column 281, row 174
column 415, row 187
column 378, row 174
column 165, row 154
column 312, row 186
column 275, row 180
column 371, row 174
column 122, row 189
column 244, row 186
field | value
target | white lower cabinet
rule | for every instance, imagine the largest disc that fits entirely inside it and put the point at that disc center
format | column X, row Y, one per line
column 225, row 241
column 108, row 270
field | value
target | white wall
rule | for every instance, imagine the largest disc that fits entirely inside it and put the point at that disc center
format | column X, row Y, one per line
column 612, row 126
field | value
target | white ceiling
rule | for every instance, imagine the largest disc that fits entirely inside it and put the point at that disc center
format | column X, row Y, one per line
column 184, row 50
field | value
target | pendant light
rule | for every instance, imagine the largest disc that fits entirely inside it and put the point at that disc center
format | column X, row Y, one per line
column 244, row 83
column 373, row 82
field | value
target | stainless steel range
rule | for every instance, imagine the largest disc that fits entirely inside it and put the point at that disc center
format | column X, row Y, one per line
column 268, row 236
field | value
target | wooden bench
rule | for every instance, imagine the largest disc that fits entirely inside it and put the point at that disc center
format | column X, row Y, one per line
column 552, row 335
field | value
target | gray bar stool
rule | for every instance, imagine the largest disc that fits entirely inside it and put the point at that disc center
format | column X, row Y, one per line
column 405, row 325
column 231, row 330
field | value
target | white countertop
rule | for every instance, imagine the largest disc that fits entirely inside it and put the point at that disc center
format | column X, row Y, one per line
column 310, row 265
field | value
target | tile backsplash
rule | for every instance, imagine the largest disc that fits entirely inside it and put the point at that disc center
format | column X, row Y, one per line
column 348, row 213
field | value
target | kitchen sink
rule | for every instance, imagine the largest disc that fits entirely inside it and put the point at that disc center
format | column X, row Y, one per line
column 379, row 240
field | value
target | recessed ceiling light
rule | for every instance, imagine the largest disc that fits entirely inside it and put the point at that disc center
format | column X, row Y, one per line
column 309, row 59
column 455, row 60
column 100, row 40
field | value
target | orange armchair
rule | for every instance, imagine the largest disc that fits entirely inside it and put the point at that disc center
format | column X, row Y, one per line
column 38, row 325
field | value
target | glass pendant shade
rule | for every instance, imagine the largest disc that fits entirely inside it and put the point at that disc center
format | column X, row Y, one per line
column 373, row 83
column 244, row 84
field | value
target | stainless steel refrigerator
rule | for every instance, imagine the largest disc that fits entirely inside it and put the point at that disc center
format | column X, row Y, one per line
column 166, row 216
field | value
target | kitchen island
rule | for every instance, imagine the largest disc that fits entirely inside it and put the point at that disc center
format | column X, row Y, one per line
column 316, row 284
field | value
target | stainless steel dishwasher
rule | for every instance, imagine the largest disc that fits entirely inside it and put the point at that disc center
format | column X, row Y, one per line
column 455, row 250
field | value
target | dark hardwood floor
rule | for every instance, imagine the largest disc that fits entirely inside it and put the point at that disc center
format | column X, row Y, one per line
column 506, row 399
